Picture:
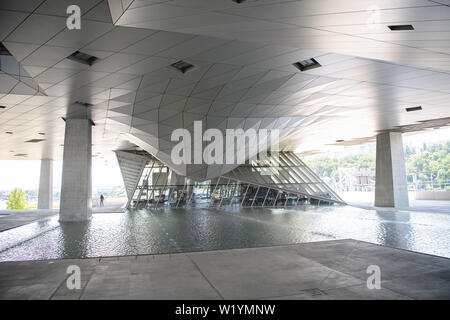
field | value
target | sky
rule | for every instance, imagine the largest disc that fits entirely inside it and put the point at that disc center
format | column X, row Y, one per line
column 413, row 139
column 428, row 136
column 25, row 173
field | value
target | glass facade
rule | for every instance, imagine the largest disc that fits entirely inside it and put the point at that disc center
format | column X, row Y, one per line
column 280, row 180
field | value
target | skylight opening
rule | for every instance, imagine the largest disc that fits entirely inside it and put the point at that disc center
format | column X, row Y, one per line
column 183, row 66
column 401, row 27
column 307, row 64
column 413, row 109
column 83, row 58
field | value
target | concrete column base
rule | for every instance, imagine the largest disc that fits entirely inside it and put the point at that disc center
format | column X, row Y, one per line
column 76, row 186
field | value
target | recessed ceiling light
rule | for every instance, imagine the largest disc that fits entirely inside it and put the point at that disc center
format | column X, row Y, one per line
column 307, row 64
column 401, row 27
column 183, row 66
column 42, row 133
column 340, row 140
column 413, row 109
column 2, row 107
column 241, row 1
column 21, row 155
column 8, row 132
column 83, row 58
column 35, row 140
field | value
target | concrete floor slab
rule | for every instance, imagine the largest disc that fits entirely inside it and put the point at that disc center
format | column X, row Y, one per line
column 354, row 259
column 430, row 285
column 168, row 278
column 274, row 271
column 319, row 270
column 15, row 218
column 357, row 292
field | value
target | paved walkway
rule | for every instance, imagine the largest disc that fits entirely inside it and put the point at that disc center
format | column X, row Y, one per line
column 15, row 218
column 414, row 206
column 365, row 200
column 318, row 270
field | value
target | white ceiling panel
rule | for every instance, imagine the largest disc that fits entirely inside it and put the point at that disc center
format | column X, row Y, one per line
column 243, row 74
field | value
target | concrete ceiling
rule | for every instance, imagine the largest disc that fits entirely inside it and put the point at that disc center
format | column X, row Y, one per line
column 243, row 77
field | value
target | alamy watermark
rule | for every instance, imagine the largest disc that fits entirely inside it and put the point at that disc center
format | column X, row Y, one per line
column 73, row 21
column 74, row 279
column 214, row 146
column 374, row 280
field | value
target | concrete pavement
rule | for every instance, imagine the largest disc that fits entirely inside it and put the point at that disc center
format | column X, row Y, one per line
column 318, row 270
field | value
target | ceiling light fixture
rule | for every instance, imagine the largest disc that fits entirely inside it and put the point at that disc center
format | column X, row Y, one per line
column 183, row 66
column 83, row 58
column 35, row 140
column 413, row 109
column 401, row 27
column 307, row 64
column 2, row 107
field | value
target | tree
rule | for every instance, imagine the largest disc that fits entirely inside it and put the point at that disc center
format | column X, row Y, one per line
column 328, row 167
column 16, row 200
column 431, row 164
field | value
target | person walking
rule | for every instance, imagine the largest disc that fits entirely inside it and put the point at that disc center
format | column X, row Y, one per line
column 102, row 198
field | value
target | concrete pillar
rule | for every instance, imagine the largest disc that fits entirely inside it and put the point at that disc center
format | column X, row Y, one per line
column 76, row 186
column 391, row 188
column 45, row 199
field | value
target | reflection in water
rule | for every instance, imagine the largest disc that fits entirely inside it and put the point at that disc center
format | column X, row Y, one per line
column 74, row 239
column 395, row 230
column 145, row 232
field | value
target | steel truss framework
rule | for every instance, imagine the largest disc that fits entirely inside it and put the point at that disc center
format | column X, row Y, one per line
column 281, row 180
